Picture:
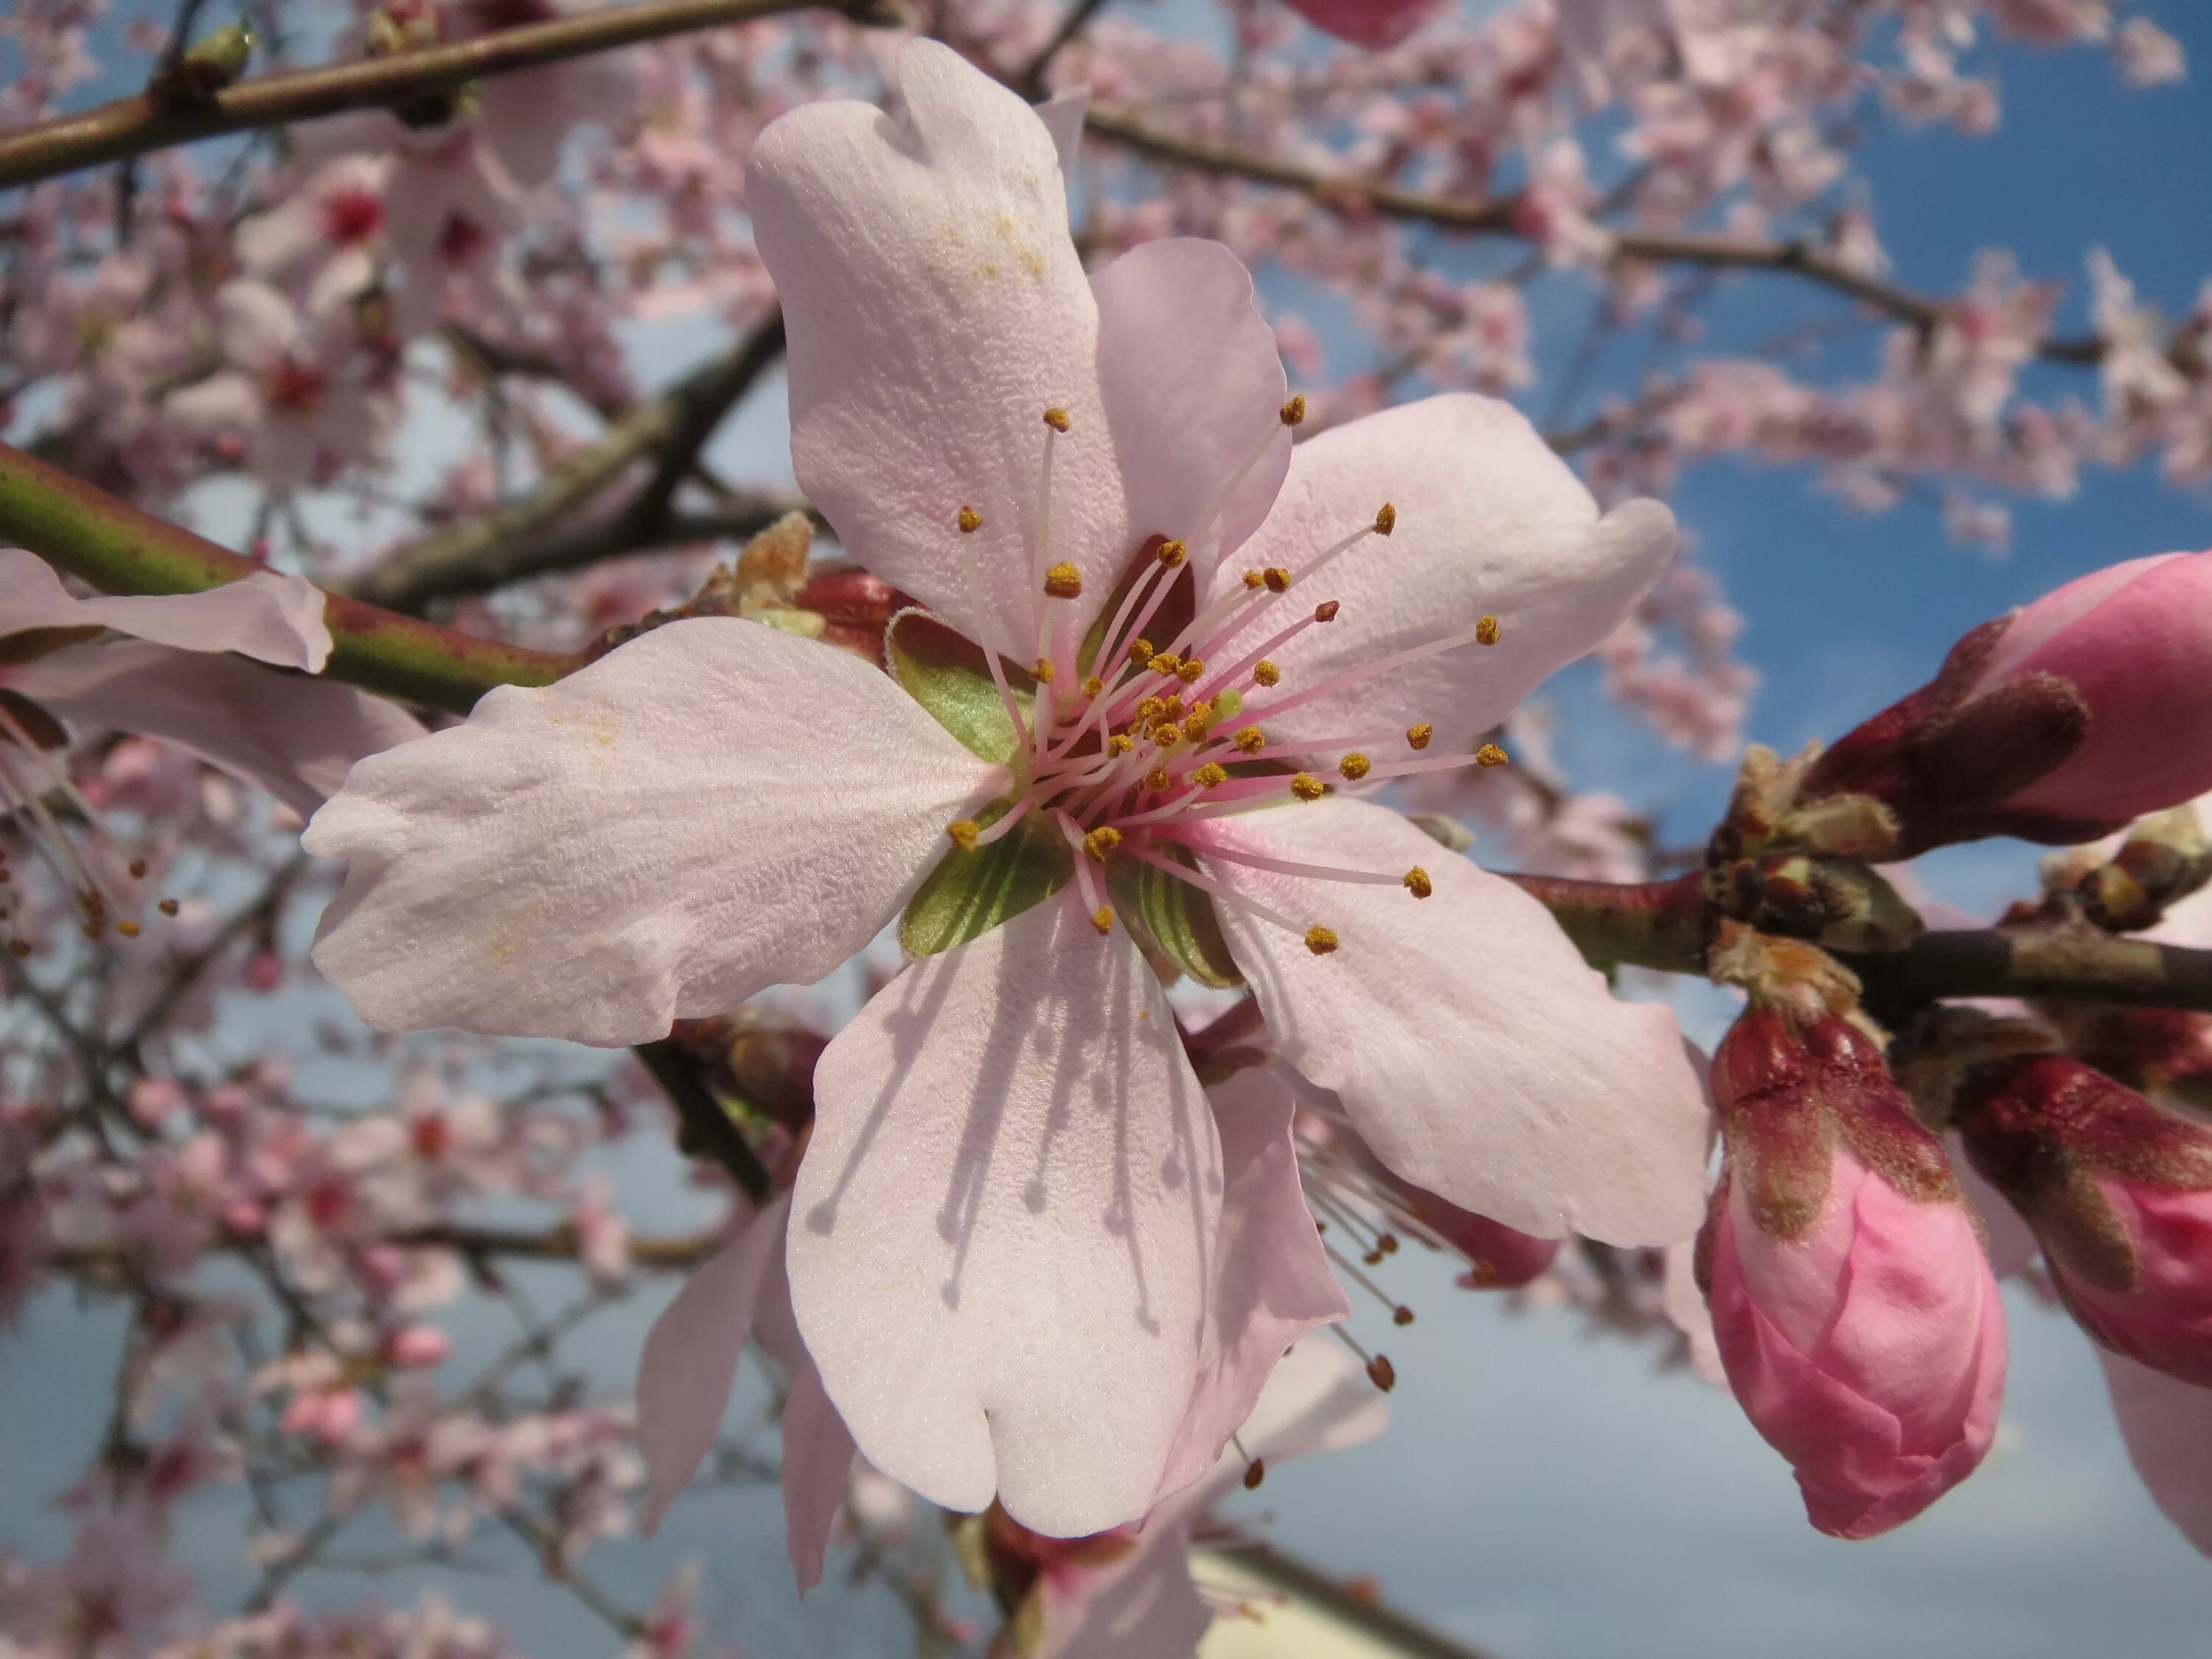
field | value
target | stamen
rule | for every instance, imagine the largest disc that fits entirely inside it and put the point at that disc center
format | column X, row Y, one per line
column 1210, row 774
column 1354, row 767
column 1102, row 841
column 1490, row 755
column 964, row 832
column 1293, row 413
column 1064, row 581
column 1386, row 519
column 970, row 522
column 1041, row 671
column 1266, row 673
column 1417, row 735
column 1290, row 867
column 1205, row 884
column 1400, row 1313
column 1250, row 739
column 1012, row 816
column 1255, row 578
column 1103, row 919
column 1380, row 1371
column 1321, row 940
column 1277, row 579
column 1306, row 786
column 1368, row 670
column 1486, row 631
column 1418, row 883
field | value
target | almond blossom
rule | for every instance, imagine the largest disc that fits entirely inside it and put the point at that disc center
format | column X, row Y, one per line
column 169, row 666
column 1006, row 1236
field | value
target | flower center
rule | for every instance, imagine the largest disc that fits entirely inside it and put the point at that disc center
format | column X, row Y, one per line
column 1167, row 732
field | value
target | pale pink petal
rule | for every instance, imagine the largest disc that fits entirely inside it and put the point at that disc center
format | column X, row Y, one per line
column 818, row 1447
column 2167, row 1426
column 296, row 738
column 289, row 232
column 256, row 325
column 818, row 1469
column 1145, row 1604
column 1194, row 389
column 1374, row 24
column 1273, row 1280
column 1474, row 1050
column 936, row 307
column 1063, row 115
column 690, row 1359
column 714, row 808
column 1490, row 523
column 1004, row 1229
column 269, row 616
column 526, row 118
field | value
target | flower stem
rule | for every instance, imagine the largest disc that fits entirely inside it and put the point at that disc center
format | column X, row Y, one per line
column 121, row 550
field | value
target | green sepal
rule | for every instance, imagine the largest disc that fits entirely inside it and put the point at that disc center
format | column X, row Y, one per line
column 949, row 675
column 971, row 892
column 1171, row 919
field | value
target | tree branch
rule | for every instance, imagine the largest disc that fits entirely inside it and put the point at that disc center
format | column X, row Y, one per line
column 1495, row 218
column 134, row 125
column 119, row 548
column 526, row 537
column 1662, row 925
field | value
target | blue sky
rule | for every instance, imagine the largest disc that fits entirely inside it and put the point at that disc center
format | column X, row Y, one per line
column 1541, row 1493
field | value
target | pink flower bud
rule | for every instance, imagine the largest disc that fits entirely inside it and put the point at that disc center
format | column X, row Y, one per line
column 2119, row 1195
column 2087, row 709
column 1374, row 24
column 2135, row 640
column 417, row 1348
column 1857, row 1316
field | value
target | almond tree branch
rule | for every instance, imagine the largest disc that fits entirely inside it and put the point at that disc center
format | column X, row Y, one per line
column 1495, row 218
column 1662, row 925
column 119, row 548
column 134, row 125
column 531, row 536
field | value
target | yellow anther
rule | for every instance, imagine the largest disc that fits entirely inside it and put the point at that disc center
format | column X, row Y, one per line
column 1490, row 755
column 1041, row 671
column 137, row 869
column 1486, row 631
column 128, row 929
column 1120, row 744
column 1103, row 919
column 1326, row 610
column 1171, row 553
column 1166, row 734
column 167, row 907
column 1140, row 652
column 1157, row 780
column 1418, row 883
column 1419, row 736
column 1294, row 411
column 1209, row 775
column 1253, row 578
column 964, row 832
column 1150, row 709
column 1093, row 686
column 1265, row 672
column 1354, row 766
column 1190, row 670
column 1057, row 420
column 1195, row 722
column 1064, row 581
column 1319, row 940
column 1251, row 739
column 1306, row 786
column 1164, row 662
column 1102, row 841
column 1277, row 577
column 1386, row 519
column 1172, row 709
column 970, row 522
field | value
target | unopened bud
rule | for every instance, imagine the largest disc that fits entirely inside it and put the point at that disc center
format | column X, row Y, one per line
column 2119, row 1195
column 1856, row 1314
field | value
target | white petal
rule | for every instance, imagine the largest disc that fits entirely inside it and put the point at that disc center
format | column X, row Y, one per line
column 1490, row 523
column 1063, row 115
column 1475, row 1052
column 1005, row 1225
column 689, row 1360
column 255, row 324
column 713, row 808
column 269, row 616
column 296, row 738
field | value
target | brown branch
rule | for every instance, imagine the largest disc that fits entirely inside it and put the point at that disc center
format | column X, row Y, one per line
column 134, row 125
column 528, row 537
column 669, row 1253
column 1662, row 925
column 1495, row 216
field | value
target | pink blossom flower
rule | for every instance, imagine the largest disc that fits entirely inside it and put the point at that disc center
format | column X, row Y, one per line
column 1856, row 1315
column 2119, row 1195
column 1374, row 24
column 1138, row 1594
column 176, row 673
column 1007, row 1218
column 328, row 232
